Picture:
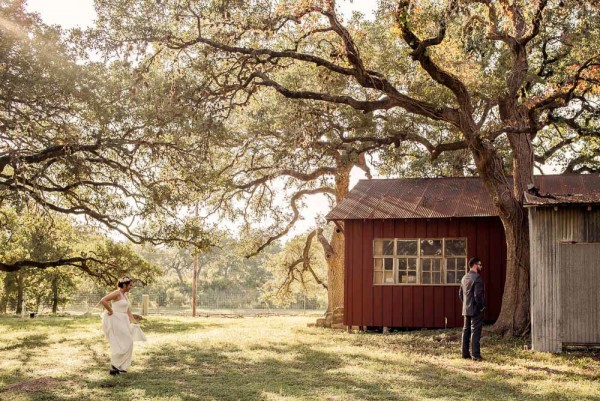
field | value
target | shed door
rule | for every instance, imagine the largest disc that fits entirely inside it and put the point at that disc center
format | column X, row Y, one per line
column 580, row 293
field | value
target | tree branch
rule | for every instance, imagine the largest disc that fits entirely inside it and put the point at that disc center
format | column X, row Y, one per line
column 295, row 217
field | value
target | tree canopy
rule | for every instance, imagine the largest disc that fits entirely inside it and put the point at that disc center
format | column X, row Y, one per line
column 498, row 79
column 87, row 139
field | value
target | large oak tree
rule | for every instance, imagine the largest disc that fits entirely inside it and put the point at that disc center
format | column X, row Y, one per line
column 505, row 77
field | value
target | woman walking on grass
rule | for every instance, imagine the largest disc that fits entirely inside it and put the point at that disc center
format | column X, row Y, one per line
column 116, row 322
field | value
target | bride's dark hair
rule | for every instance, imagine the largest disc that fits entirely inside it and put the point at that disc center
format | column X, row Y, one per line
column 123, row 281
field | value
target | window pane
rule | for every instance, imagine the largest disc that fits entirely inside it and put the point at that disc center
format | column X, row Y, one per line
column 383, row 247
column 402, row 264
column 412, row 277
column 425, row 278
column 378, row 264
column 378, row 277
column 450, row 277
column 437, row 278
column 436, row 265
column 389, row 277
column 412, row 264
column 431, row 247
column 408, row 248
column 461, row 264
column 388, row 264
column 403, row 277
column 426, row 265
column 388, row 247
column 457, row 264
column 456, row 247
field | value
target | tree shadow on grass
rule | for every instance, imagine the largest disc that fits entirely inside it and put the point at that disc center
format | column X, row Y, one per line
column 172, row 326
column 12, row 323
column 28, row 343
column 297, row 371
column 28, row 347
column 340, row 366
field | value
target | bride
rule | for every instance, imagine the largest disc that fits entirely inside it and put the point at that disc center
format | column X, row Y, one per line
column 116, row 326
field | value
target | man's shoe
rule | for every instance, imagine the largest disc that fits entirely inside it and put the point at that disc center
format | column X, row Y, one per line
column 477, row 358
column 114, row 372
column 466, row 356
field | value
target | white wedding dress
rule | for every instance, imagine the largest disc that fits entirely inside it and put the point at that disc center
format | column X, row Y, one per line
column 118, row 333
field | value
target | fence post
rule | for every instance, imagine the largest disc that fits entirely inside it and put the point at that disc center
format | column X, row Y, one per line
column 145, row 304
column 304, row 303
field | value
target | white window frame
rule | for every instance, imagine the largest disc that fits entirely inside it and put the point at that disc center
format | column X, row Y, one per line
column 395, row 257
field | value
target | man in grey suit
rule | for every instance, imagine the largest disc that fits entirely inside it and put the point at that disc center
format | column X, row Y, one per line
column 472, row 298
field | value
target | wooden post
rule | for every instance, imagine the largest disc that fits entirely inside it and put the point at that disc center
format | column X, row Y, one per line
column 145, row 304
column 195, row 277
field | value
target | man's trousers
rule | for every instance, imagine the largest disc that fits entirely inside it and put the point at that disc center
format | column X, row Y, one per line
column 472, row 334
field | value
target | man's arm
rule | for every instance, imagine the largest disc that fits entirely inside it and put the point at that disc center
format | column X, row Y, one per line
column 479, row 297
column 460, row 293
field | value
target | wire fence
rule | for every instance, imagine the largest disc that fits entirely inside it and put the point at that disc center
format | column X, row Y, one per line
column 176, row 303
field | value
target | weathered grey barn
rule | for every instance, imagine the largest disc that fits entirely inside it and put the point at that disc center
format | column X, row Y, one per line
column 565, row 264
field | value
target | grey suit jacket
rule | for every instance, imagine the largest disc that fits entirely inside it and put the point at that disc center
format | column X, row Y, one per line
column 471, row 294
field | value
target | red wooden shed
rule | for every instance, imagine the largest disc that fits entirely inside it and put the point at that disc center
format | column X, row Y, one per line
column 407, row 242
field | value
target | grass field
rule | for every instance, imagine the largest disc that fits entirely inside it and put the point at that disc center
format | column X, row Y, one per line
column 277, row 358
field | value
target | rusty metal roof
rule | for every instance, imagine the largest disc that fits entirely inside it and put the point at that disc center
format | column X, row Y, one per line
column 533, row 200
column 571, row 189
column 410, row 198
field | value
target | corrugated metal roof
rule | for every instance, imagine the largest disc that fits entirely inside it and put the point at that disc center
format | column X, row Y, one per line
column 564, row 189
column 533, row 200
column 410, row 198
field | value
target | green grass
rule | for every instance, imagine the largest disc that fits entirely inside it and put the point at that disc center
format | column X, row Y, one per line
column 277, row 358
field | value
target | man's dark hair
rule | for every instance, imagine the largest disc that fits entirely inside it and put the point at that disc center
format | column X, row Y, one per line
column 473, row 261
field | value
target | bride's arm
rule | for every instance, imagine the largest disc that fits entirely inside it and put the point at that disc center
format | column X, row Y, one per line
column 131, row 318
column 105, row 301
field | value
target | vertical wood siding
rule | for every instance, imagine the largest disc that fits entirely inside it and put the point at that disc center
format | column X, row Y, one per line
column 418, row 306
column 548, row 229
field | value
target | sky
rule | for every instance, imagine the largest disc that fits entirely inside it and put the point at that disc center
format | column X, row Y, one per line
column 68, row 13
column 81, row 13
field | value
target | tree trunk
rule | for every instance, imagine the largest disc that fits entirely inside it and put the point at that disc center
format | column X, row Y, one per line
column 180, row 276
column 20, row 293
column 335, row 282
column 55, row 293
column 514, row 318
column 4, row 296
column 334, row 317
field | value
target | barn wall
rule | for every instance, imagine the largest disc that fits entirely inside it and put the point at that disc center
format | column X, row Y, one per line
column 367, row 304
column 580, row 305
column 548, row 228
